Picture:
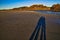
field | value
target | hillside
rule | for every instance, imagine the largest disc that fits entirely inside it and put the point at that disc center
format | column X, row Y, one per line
column 33, row 7
column 56, row 8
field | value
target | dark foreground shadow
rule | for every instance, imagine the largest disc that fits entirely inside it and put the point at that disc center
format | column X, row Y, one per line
column 40, row 25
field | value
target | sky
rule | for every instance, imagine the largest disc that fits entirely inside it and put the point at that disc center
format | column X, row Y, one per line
column 9, row 4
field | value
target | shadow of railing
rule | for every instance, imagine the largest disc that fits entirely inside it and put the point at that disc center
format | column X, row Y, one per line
column 40, row 25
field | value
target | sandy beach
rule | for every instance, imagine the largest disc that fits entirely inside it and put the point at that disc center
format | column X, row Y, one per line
column 20, row 25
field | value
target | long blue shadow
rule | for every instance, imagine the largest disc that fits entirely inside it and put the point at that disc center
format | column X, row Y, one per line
column 43, row 30
column 35, row 33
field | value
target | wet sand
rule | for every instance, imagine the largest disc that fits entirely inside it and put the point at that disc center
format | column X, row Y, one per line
column 20, row 25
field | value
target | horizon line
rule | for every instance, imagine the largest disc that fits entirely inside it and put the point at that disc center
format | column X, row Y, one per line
column 25, row 6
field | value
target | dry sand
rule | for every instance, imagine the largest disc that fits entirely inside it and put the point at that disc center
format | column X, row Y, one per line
column 20, row 25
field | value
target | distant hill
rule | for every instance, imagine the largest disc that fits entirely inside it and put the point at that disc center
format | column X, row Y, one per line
column 33, row 7
column 55, row 7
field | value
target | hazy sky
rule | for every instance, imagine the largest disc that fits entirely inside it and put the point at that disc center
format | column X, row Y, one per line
column 8, row 4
